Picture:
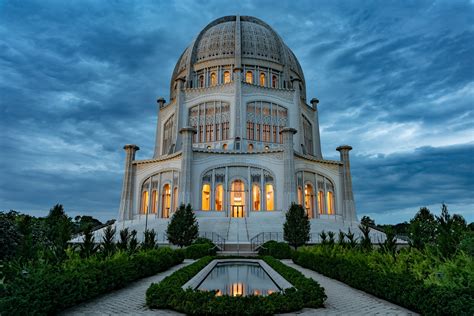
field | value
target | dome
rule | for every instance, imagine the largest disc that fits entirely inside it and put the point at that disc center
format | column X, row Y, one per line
column 236, row 41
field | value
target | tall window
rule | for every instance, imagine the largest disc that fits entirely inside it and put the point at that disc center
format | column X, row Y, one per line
column 274, row 81
column 145, row 202
column 308, row 200
column 154, row 201
column 250, row 133
column 216, row 115
column 321, row 202
column 256, row 197
column 264, row 120
column 269, row 197
column 175, row 198
column 201, row 81
column 166, row 201
column 225, row 130
column 262, row 79
column 249, row 77
column 168, row 135
column 213, row 79
column 206, row 197
column 266, row 133
column 330, row 202
column 219, row 206
column 300, row 196
column 226, row 76
column 257, row 132
column 308, row 135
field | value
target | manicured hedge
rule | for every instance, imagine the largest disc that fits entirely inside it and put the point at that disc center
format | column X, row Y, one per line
column 279, row 250
column 169, row 294
column 401, row 288
column 47, row 289
column 197, row 251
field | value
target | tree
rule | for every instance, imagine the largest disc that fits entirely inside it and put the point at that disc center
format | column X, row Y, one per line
column 390, row 243
column 133, row 243
column 297, row 226
column 149, row 240
column 81, row 222
column 365, row 242
column 422, row 229
column 58, row 231
column 10, row 236
column 183, row 228
column 88, row 246
column 450, row 231
column 108, row 244
column 124, row 239
column 367, row 221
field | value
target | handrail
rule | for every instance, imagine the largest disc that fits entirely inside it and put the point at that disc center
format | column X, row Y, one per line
column 259, row 239
column 217, row 239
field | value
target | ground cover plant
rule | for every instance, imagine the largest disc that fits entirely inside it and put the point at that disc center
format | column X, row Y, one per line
column 169, row 294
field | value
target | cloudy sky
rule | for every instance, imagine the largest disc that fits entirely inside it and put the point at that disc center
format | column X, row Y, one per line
column 79, row 79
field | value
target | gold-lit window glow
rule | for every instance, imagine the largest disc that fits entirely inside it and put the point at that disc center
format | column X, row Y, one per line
column 330, row 203
column 237, row 289
column 308, row 200
column 154, row 202
column 224, row 146
column 206, row 197
column 213, row 79
column 175, row 198
column 270, row 197
column 145, row 202
column 249, row 77
column 262, row 79
column 226, row 77
column 219, row 206
column 256, row 197
column 321, row 202
column 166, row 201
column 300, row 196
column 237, row 198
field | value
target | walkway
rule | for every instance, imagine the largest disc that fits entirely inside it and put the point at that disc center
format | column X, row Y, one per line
column 127, row 301
column 345, row 300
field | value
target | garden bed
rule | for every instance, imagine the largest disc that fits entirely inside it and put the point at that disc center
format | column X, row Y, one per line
column 168, row 294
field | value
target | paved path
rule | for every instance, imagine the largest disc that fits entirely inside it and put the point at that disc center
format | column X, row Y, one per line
column 345, row 300
column 127, row 301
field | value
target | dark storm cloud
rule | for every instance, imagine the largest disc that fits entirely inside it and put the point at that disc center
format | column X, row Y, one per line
column 80, row 79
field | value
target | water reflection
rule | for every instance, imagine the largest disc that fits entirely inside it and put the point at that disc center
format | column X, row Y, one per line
column 239, row 279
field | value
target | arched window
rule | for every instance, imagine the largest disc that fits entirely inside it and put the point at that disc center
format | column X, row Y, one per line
column 321, row 202
column 213, row 79
column 145, row 202
column 308, row 200
column 249, row 77
column 256, row 197
column 219, row 197
column 224, row 147
column 175, row 198
column 206, row 197
column 300, row 196
column 154, row 201
column 250, row 147
column 269, row 195
column 226, row 76
column 166, row 201
column 262, row 79
column 274, row 81
column 201, row 81
column 237, row 198
column 330, row 202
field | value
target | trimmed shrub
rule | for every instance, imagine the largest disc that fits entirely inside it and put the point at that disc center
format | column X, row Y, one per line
column 279, row 250
column 46, row 289
column 197, row 251
column 169, row 294
column 382, row 276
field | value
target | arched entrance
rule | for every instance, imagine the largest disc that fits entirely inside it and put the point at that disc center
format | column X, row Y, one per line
column 308, row 200
column 237, row 198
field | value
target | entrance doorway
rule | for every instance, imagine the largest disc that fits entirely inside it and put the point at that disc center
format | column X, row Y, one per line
column 237, row 198
column 237, row 211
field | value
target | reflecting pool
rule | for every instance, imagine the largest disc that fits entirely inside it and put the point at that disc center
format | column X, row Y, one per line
column 238, row 279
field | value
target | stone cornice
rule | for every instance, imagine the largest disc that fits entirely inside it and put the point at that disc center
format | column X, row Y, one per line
column 159, row 159
column 231, row 152
column 314, row 159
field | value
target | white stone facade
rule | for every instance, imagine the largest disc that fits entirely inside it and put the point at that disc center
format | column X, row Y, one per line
column 237, row 138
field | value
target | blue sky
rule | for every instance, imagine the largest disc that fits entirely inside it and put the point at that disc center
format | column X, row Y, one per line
column 79, row 79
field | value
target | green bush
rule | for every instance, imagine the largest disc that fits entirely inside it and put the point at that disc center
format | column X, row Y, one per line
column 279, row 250
column 403, row 279
column 47, row 289
column 197, row 251
column 169, row 294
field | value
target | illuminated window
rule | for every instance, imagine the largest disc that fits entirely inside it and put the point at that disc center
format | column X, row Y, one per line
column 321, row 202
column 274, row 81
column 166, row 201
column 201, row 81
column 300, row 196
column 250, row 133
column 213, row 79
column 330, row 202
column 219, row 197
column 308, row 200
column 269, row 195
column 175, row 198
column 256, row 197
column 154, row 201
column 224, row 146
column 262, row 79
column 206, row 197
column 226, row 76
column 250, row 147
column 145, row 202
column 249, row 77
column 237, row 198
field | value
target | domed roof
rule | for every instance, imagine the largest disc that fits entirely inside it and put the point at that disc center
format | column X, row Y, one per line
column 238, row 37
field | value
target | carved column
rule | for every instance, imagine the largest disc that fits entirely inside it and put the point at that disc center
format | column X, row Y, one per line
column 185, row 181
column 289, row 184
column 348, row 204
column 160, row 103
column 295, row 119
column 316, row 136
column 126, row 201
column 181, row 115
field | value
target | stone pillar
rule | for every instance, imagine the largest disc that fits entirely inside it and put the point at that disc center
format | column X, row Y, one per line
column 348, row 204
column 185, row 181
column 289, row 185
column 316, row 136
column 238, row 108
column 180, row 114
column 295, row 119
column 161, row 102
column 126, row 201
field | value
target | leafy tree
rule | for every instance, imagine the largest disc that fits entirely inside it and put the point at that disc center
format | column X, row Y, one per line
column 467, row 243
column 133, row 244
column 58, row 231
column 10, row 236
column 108, row 244
column 365, row 242
column 81, row 222
column 183, row 228
column 297, row 226
column 367, row 221
column 149, row 240
column 88, row 246
column 351, row 239
column 450, row 231
column 124, row 239
column 422, row 229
